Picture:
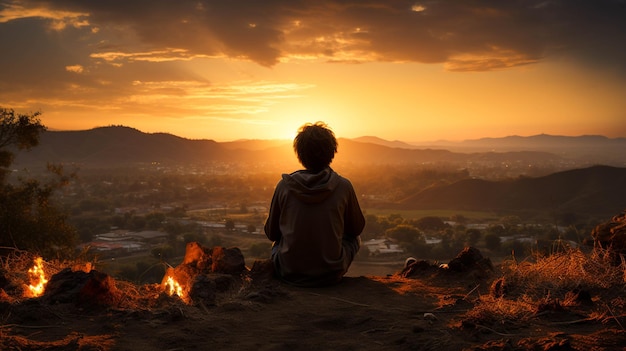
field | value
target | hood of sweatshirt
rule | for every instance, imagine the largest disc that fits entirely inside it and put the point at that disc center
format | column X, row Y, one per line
column 312, row 187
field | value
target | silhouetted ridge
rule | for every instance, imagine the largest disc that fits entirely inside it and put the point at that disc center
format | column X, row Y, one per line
column 120, row 145
column 598, row 189
column 123, row 146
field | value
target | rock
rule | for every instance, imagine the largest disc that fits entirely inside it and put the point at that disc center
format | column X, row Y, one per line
column 202, row 290
column 197, row 256
column 611, row 236
column 203, row 272
column 262, row 270
column 214, row 260
column 228, row 261
column 93, row 288
column 415, row 267
column 468, row 259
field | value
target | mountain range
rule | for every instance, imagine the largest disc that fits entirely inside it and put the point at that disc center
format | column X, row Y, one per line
column 581, row 184
column 119, row 145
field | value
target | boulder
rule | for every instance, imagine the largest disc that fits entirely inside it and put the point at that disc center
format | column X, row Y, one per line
column 468, row 259
column 203, row 272
column 93, row 288
column 611, row 236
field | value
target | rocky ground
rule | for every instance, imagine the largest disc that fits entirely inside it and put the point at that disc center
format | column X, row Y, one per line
column 468, row 305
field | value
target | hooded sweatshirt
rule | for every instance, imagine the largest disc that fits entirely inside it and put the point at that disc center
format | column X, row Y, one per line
column 309, row 217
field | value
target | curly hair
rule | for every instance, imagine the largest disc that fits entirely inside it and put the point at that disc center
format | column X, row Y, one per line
column 315, row 146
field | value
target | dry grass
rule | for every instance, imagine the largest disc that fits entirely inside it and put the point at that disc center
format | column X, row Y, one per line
column 570, row 282
column 14, row 268
column 565, row 271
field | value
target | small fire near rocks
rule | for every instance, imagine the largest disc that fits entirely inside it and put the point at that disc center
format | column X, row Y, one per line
column 37, row 278
column 172, row 287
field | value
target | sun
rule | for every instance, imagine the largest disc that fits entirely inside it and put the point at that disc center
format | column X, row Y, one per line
column 290, row 117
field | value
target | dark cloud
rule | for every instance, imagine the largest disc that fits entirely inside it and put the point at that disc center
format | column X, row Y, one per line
column 28, row 52
column 464, row 34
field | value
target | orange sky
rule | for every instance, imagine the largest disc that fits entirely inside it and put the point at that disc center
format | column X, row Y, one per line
column 399, row 70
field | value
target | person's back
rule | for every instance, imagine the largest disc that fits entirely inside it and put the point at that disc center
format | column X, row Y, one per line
column 315, row 219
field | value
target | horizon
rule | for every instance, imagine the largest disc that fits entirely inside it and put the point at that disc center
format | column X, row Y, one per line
column 406, row 70
column 342, row 137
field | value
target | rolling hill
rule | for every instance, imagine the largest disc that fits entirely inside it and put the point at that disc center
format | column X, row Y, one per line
column 123, row 146
column 593, row 190
column 581, row 188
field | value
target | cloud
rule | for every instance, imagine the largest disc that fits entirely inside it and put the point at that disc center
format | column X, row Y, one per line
column 464, row 35
column 75, row 68
column 240, row 98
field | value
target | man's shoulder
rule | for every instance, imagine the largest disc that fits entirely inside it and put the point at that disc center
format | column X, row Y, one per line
column 342, row 180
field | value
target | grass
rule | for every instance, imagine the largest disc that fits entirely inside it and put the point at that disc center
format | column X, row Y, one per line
column 567, row 270
column 586, row 285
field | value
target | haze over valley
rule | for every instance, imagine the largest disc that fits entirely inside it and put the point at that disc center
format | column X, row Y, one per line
column 536, row 187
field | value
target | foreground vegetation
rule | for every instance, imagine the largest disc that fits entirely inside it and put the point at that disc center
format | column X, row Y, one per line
column 571, row 300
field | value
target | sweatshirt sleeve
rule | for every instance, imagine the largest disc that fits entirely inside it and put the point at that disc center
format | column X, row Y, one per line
column 272, row 224
column 354, row 221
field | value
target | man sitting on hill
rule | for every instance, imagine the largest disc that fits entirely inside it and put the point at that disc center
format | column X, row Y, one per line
column 314, row 219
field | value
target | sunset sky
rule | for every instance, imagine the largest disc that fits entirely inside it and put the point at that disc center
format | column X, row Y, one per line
column 399, row 70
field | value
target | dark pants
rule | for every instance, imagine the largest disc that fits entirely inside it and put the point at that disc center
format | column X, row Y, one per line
column 351, row 246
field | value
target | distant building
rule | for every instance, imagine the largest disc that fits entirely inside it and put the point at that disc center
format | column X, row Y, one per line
column 382, row 246
column 120, row 242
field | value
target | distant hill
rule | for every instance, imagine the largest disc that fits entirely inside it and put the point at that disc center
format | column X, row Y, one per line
column 383, row 142
column 119, row 146
column 579, row 148
column 598, row 189
column 593, row 190
column 255, row 144
column 354, row 151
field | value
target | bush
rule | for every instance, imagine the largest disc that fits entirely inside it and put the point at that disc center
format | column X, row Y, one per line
column 29, row 220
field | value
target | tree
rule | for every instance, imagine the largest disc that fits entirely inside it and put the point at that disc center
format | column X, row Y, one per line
column 430, row 223
column 29, row 220
column 17, row 131
column 404, row 233
column 409, row 237
column 493, row 241
column 229, row 225
column 473, row 235
column 459, row 219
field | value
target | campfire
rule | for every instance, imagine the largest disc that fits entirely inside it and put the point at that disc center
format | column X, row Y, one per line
column 203, row 272
column 172, row 287
column 37, row 278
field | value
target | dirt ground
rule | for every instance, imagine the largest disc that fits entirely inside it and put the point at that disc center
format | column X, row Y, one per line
column 428, row 312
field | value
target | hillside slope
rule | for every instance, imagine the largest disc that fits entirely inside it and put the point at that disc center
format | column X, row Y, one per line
column 594, row 190
column 121, row 146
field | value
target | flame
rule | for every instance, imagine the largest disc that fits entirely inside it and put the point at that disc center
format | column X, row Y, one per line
column 173, row 287
column 37, row 278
